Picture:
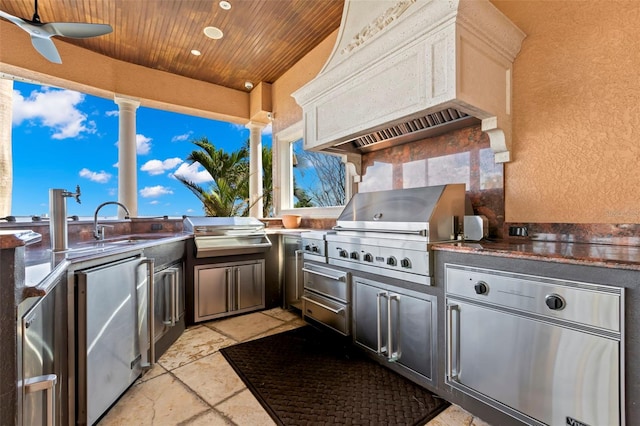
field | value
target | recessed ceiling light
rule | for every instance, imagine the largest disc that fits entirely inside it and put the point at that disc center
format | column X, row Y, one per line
column 213, row 32
column 225, row 5
column 196, row 52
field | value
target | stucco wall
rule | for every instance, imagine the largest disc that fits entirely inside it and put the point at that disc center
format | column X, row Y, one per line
column 576, row 113
column 286, row 110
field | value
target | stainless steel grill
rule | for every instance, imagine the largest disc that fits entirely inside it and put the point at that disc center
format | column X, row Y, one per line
column 227, row 236
column 389, row 233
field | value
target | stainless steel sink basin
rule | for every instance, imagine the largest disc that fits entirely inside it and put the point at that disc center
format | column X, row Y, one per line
column 122, row 240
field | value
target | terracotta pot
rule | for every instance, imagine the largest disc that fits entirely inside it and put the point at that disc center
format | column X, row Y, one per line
column 291, row 221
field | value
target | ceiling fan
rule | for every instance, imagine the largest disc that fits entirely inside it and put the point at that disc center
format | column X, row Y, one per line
column 41, row 33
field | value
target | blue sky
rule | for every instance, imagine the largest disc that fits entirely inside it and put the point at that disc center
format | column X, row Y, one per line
column 62, row 138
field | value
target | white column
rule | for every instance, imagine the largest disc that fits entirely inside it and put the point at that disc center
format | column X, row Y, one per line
column 127, row 165
column 255, row 168
column 6, row 160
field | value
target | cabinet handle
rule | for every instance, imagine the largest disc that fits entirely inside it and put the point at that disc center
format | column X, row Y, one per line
column 237, row 288
column 450, row 375
column 322, row 305
column 333, row 277
column 297, row 275
column 45, row 383
column 168, row 317
column 229, row 290
column 173, row 272
column 379, row 296
column 392, row 355
column 149, row 360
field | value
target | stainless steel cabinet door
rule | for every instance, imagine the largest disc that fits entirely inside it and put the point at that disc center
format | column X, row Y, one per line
column 411, row 324
column 249, row 286
column 43, row 359
column 370, row 310
column 394, row 324
column 214, row 292
column 293, row 287
column 168, row 299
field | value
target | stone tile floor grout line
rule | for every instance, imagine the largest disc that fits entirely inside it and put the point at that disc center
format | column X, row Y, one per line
column 179, row 386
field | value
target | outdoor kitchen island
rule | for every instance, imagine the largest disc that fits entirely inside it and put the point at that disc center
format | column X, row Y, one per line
column 551, row 357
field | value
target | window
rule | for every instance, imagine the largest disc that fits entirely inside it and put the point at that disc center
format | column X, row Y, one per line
column 318, row 178
column 309, row 183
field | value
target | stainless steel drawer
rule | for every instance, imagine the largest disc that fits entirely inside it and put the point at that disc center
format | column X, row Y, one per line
column 329, row 312
column 329, row 282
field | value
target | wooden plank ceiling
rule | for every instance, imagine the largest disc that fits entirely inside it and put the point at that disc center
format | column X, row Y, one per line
column 262, row 38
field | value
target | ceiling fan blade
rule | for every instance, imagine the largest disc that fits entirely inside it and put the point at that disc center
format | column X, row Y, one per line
column 11, row 18
column 77, row 29
column 45, row 46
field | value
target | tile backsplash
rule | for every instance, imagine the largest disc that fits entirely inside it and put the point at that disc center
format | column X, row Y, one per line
column 461, row 156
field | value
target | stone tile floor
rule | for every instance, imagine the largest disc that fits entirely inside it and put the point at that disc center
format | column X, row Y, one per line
column 192, row 384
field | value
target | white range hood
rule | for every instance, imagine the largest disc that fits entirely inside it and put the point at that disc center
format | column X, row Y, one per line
column 403, row 70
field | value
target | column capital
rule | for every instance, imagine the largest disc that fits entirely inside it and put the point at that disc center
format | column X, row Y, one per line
column 255, row 125
column 124, row 102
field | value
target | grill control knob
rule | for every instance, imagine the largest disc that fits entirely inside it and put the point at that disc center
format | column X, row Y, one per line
column 307, row 248
column 554, row 302
column 405, row 263
column 392, row 261
column 368, row 257
column 343, row 253
column 314, row 249
column 354, row 255
column 481, row 287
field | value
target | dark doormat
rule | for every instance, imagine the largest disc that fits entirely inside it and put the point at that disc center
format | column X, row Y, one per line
column 309, row 377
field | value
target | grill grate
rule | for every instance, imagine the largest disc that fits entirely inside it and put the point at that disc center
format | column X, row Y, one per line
column 439, row 118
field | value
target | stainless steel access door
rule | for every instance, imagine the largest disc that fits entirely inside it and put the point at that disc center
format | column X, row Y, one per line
column 548, row 372
column 113, row 335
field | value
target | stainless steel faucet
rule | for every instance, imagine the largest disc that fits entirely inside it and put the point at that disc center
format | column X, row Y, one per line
column 58, row 216
column 98, row 230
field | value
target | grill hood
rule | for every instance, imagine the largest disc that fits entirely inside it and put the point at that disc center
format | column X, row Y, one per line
column 404, row 70
column 432, row 212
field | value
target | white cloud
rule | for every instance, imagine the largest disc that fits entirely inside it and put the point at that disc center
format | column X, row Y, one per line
column 155, row 191
column 192, row 173
column 154, row 202
column 100, row 177
column 183, row 137
column 112, row 113
column 268, row 129
column 143, row 144
column 157, row 167
column 53, row 108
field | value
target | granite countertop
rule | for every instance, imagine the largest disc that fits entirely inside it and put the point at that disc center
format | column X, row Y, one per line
column 612, row 256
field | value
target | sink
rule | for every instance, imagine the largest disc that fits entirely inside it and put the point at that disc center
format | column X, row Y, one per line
column 122, row 240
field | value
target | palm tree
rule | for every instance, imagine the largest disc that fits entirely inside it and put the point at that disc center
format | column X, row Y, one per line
column 267, row 180
column 228, row 194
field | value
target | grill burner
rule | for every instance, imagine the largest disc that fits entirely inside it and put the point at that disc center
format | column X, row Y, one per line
column 390, row 232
